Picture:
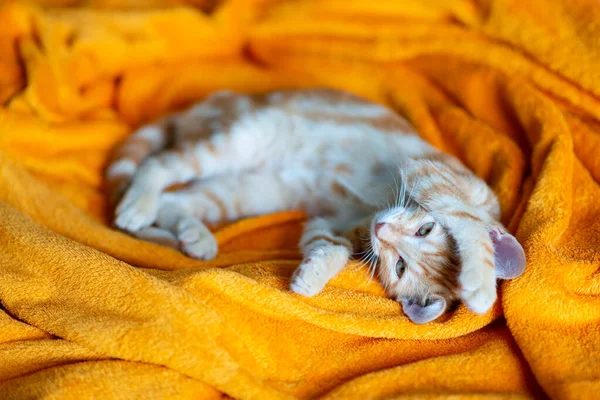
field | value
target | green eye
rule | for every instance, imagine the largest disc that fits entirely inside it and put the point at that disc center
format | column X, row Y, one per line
column 425, row 229
column 400, row 267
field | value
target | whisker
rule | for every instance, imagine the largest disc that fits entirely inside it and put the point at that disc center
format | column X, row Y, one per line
column 372, row 268
column 388, row 198
column 367, row 253
column 394, row 190
column 414, row 186
column 395, row 193
column 365, row 258
column 369, row 259
column 403, row 182
column 368, row 247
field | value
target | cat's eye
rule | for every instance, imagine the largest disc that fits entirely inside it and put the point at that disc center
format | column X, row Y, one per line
column 425, row 229
column 400, row 267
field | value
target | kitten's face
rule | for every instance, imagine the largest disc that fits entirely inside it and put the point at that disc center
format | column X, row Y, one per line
column 417, row 265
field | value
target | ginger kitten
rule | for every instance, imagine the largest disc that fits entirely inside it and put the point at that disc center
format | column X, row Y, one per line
column 366, row 179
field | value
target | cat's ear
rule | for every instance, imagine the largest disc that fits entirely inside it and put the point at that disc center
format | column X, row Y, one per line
column 421, row 314
column 508, row 253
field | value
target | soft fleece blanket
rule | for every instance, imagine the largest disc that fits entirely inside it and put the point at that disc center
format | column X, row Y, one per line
column 512, row 87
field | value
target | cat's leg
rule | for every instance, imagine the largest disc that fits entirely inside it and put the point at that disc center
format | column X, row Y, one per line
column 139, row 207
column 189, row 233
column 324, row 256
column 448, row 191
column 227, row 143
column 231, row 197
column 225, row 198
column 477, row 276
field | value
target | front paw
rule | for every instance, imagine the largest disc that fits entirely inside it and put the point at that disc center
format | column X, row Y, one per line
column 322, row 264
column 307, row 279
column 137, row 210
column 478, row 289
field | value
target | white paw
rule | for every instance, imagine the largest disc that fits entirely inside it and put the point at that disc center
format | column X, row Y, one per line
column 202, row 249
column 196, row 240
column 478, row 293
column 306, row 280
column 137, row 210
column 470, row 279
column 316, row 270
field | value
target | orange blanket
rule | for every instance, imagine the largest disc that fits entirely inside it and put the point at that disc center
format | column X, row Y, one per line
column 510, row 86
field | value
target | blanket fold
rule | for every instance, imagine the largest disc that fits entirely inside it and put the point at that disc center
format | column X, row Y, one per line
column 510, row 87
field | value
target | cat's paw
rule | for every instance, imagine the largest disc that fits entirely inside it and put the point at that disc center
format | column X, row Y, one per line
column 478, row 289
column 204, row 248
column 306, row 280
column 317, row 269
column 196, row 240
column 137, row 210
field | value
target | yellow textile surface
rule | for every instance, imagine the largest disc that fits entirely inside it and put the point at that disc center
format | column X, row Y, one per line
column 510, row 86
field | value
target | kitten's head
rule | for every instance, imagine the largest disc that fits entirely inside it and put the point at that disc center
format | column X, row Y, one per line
column 417, row 262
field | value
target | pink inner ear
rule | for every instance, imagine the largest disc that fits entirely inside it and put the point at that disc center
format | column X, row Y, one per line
column 510, row 257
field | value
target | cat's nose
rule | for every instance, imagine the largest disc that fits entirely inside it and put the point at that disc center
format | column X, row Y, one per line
column 378, row 227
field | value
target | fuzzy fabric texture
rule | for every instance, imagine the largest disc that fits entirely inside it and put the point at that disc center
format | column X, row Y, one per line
column 510, row 86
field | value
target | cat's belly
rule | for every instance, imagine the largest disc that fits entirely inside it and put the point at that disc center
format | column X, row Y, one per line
column 326, row 189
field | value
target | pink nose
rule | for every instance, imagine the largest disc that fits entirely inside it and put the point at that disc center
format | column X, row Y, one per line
column 378, row 227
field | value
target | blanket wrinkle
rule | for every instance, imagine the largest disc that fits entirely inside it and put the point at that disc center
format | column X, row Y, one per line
column 510, row 87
